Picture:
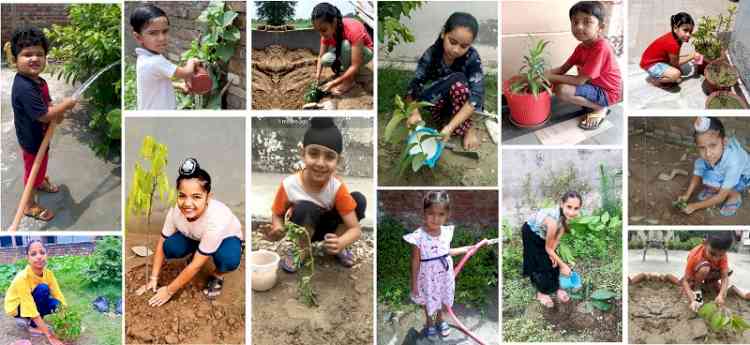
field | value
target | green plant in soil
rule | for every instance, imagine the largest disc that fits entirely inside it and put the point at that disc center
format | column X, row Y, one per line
column 66, row 322
column 708, row 39
column 149, row 179
column 722, row 74
column 90, row 42
column 721, row 320
column 397, row 131
column 531, row 75
column 679, row 204
column 214, row 49
column 724, row 102
column 304, row 260
column 314, row 93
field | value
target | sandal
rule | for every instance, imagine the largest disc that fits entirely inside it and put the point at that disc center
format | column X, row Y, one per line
column 430, row 332
column 729, row 209
column 444, row 328
column 287, row 263
column 39, row 212
column 598, row 117
column 546, row 301
column 213, row 287
column 47, row 186
column 345, row 258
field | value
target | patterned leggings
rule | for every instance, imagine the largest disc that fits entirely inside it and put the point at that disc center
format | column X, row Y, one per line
column 448, row 94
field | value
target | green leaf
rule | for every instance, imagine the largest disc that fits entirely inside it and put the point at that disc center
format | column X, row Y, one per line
column 229, row 17
column 601, row 305
column 225, row 53
column 395, row 121
column 707, row 310
column 603, row 294
column 418, row 161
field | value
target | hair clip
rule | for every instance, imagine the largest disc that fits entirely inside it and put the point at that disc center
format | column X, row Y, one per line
column 188, row 166
column 702, row 124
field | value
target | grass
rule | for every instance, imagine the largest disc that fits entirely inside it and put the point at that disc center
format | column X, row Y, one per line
column 298, row 24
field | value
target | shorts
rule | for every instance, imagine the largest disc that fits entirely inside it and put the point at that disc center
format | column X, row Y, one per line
column 592, row 93
column 657, row 70
column 28, row 163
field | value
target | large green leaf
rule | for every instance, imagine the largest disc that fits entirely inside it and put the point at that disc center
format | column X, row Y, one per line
column 229, row 17
column 418, row 161
column 601, row 305
column 225, row 53
column 603, row 294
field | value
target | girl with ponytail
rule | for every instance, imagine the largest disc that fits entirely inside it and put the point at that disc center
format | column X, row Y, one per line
column 662, row 58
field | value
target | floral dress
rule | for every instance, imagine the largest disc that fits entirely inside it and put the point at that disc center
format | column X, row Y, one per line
column 435, row 281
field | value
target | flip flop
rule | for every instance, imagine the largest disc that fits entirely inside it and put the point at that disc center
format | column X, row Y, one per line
column 47, row 186
column 284, row 263
column 345, row 258
column 729, row 209
column 599, row 117
column 40, row 213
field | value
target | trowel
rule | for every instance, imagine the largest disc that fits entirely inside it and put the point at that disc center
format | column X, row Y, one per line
column 461, row 152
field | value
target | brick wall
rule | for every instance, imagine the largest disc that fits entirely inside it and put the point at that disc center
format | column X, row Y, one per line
column 11, row 255
column 184, row 28
column 40, row 15
column 680, row 129
column 468, row 208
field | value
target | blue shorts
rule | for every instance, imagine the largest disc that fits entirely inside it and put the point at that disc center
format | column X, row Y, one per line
column 657, row 70
column 226, row 257
column 714, row 180
column 592, row 93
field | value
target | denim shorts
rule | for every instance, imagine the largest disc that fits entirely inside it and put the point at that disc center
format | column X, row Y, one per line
column 657, row 70
column 592, row 93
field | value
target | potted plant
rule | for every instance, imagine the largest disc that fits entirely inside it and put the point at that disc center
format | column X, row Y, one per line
column 529, row 93
column 711, row 37
column 725, row 100
column 720, row 75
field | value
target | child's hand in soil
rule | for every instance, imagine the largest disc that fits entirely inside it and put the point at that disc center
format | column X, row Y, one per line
column 327, row 86
column 53, row 340
column 332, row 244
column 162, row 296
column 695, row 305
column 683, row 198
column 151, row 285
column 690, row 208
column 270, row 233
column 719, row 300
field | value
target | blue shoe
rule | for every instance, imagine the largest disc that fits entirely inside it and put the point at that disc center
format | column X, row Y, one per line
column 430, row 332
column 444, row 328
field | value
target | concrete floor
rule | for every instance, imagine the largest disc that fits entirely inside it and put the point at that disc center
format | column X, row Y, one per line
column 655, row 262
column 611, row 136
column 642, row 95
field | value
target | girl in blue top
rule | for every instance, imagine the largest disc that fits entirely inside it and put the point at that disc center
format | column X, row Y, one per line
column 455, row 70
column 541, row 234
column 723, row 169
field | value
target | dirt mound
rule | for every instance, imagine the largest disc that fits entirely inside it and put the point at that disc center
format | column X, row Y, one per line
column 660, row 314
column 189, row 317
column 579, row 317
column 281, row 77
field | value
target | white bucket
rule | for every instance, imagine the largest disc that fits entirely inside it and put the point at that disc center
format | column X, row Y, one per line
column 264, row 265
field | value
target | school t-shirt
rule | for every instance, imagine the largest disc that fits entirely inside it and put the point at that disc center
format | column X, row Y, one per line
column 734, row 163
column 354, row 32
column 598, row 62
column 334, row 194
column 154, row 86
column 30, row 100
column 215, row 224
column 19, row 292
column 659, row 50
column 698, row 254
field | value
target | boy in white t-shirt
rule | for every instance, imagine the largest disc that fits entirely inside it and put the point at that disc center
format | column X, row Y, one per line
column 153, row 71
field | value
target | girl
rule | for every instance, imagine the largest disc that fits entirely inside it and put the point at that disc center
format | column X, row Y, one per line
column 455, row 69
column 199, row 226
column 541, row 234
column 34, row 293
column 153, row 71
column 345, row 46
column 432, row 280
column 723, row 169
column 662, row 58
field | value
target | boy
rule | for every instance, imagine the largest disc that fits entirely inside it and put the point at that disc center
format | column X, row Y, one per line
column 153, row 71
column 317, row 199
column 598, row 83
column 33, row 111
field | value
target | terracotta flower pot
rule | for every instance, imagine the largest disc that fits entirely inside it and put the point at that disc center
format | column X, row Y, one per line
column 527, row 110
column 725, row 100
column 716, row 82
column 200, row 82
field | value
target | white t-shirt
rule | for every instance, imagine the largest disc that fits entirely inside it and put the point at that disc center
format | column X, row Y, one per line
column 154, row 86
column 215, row 224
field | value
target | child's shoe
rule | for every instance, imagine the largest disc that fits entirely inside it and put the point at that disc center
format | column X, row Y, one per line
column 729, row 209
column 445, row 329
column 430, row 333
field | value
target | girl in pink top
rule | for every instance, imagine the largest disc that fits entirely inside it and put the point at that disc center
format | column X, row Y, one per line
column 345, row 46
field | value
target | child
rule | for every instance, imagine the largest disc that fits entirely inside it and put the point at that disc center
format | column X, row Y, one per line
column 345, row 46
column 432, row 280
column 33, row 111
column 318, row 199
column 598, row 83
column 455, row 69
column 201, row 227
column 34, row 293
column 723, row 169
column 154, row 72
column 662, row 58
column 541, row 235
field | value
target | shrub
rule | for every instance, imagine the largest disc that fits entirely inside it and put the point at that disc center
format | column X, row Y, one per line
column 390, row 31
column 106, row 265
column 67, row 322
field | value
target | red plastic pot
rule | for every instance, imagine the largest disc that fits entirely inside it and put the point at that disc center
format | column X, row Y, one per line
column 200, row 82
column 527, row 110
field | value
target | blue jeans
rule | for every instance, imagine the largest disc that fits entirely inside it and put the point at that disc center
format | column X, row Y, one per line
column 45, row 303
column 226, row 258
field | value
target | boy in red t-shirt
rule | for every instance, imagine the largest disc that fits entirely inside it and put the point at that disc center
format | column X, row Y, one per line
column 662, row 59
column 598, row 83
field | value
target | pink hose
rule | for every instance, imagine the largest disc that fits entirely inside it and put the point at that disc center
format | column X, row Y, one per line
column 456, row 270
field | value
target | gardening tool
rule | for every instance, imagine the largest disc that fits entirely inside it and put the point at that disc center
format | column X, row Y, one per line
column 461, row 152
column 43, row 148
column 456, row 271
column 433, row 147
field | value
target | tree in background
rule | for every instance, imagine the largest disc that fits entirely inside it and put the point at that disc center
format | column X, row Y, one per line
column 276, row 12
column 390, row 31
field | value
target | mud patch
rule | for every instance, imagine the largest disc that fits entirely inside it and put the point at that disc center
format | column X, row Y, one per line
column 281, row 77
column 660, row 314
column 189, row 317
column 579, row 317
column 650, row 157
column 345, row 297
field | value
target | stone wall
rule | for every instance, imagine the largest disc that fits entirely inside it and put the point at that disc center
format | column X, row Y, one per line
column 680, row 129
column 11, row 255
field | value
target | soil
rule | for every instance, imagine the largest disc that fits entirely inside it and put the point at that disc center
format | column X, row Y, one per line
column 281, row 77
column 451, row 169
column 651, row 198
column 189, row 317
column 580, row 316
column 660, row 314
column 344, row 296
column 725, row 102
column 722, row 74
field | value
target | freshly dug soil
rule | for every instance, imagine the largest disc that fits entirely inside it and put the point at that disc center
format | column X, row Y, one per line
column 189, row 317
column 660, row 314
column 281, row 77
column 579, row 317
